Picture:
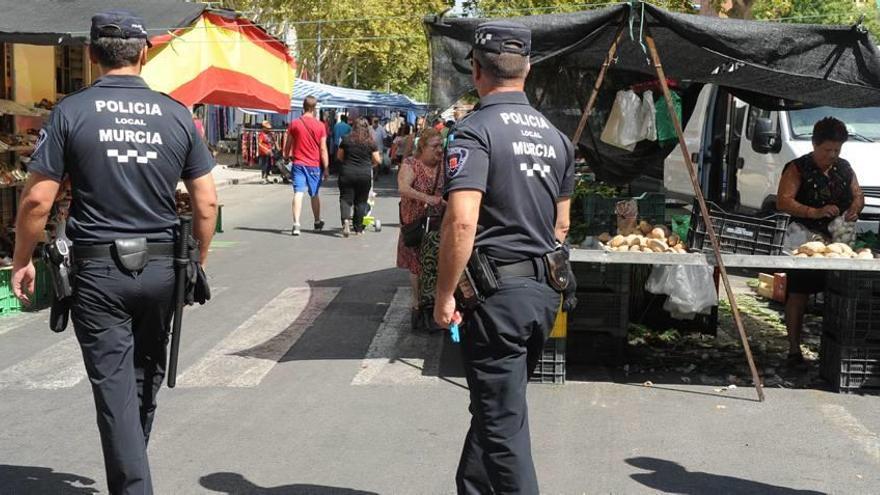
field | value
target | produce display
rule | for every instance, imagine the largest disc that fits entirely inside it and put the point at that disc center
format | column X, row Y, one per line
column 818, row 249
column 645, row 238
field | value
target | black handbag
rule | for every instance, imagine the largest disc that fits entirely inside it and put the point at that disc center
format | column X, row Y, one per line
column 414, row 231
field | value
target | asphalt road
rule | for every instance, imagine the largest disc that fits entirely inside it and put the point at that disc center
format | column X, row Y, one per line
column 301, row 377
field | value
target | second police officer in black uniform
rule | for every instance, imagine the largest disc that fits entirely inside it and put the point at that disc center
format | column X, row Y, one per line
column 510, row 174
column 124, row 148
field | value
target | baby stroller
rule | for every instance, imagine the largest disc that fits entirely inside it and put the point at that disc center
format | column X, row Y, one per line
column 369, row 219
column 282, row 168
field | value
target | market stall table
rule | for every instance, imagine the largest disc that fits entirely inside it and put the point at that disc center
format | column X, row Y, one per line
column 778, row 263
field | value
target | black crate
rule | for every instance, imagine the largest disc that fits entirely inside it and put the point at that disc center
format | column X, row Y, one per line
column 852, row 320
column 850, row 368
column 737, row 234
column 600, row 214
column 605, row 312
column 592, row 277
column 854, row 284
column 551, row 365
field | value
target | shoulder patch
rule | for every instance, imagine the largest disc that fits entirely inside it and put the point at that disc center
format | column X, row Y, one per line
column 455, row 161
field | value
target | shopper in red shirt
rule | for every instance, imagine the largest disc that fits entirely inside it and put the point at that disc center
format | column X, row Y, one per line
column 306, row 148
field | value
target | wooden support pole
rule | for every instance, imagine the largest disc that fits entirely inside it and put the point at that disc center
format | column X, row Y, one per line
column 591, row 103
column 704, row 211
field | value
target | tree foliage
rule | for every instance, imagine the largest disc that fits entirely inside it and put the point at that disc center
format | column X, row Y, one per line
column 380, row 43
column 804, row 11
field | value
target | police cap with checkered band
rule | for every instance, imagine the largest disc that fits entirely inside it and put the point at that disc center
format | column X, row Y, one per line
column 503, row 37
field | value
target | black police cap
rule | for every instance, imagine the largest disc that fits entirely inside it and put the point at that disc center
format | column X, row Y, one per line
column 503, row 37
column 118, row 24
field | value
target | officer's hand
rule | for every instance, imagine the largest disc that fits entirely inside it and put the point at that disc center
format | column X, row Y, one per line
column 445, row 313
column 23, row 278
column 326, row 174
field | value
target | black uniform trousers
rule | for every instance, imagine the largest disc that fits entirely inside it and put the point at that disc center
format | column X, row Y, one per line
column 501, row 345
column 354, row 190
column 121, row 320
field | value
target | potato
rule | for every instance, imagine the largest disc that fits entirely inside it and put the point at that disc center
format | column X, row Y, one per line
column 632, row 240
column 645, row 227
column 835, row 255
column 679, row 248
column 864, row 250
column 643, row 242
column 657, row 245
column 657, row 233
column 865, row 255
column 604, row 237
column 802, row 255
column 839, row 248
column 812, row 248
column 635, row 249
column 618, row 241
column 817, row 255
column 673, row 240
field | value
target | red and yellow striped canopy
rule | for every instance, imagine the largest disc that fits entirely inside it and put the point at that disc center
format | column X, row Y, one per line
column 223, row 61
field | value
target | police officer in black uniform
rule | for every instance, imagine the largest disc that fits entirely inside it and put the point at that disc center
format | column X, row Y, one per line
column 510, row 174
column 124, row 148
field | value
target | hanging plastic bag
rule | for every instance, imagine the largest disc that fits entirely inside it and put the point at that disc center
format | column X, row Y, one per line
column 665, row 127
column 611, row 133
column 622, row 128
column 648, row 117
column 631, row 126
column 691, row 289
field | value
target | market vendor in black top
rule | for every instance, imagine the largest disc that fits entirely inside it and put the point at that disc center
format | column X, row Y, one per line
column 815, row 189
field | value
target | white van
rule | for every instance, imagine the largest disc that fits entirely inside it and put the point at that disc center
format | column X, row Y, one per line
column 740, row 150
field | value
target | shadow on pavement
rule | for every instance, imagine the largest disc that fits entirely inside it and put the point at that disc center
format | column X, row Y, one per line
column 346, row 328
column 236, row 484
column 31, row 480
column 671, row 477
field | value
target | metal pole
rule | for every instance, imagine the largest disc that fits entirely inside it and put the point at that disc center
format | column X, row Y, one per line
column 591, row 103
column 355, row 73
column 704, row 211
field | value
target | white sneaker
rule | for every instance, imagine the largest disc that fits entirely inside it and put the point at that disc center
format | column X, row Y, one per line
column 295, row 230
column 346, row 228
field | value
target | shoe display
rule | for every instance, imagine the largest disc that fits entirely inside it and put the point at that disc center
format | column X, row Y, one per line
column 319, row 225
column 295, row 230
column 346, row 228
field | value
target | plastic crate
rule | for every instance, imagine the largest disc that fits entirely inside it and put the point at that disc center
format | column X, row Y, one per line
column 852, row 320
column 602, row 277
column 600, row 214
column 738, row 234
column 848, row 368
column 551, row 364
column 604, row 312
column 854, row 284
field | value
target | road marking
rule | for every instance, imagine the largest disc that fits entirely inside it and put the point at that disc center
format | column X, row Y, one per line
column 246, row 355
column 867, row 439
column 58, row 366
column 397, row 356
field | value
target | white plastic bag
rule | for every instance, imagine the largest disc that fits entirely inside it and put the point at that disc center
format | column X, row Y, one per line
column 630, row 126
column 691, row 289
column 648, row 117
column 622, row 128
column 796, row 235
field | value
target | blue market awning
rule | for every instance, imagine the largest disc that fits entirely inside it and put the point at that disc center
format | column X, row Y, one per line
column 337, row 97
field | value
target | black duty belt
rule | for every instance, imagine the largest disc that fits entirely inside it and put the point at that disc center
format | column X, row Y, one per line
column 526, row 268
column 106, row 250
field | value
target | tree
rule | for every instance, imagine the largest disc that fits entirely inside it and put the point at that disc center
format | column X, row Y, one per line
column 379, row 43
column 504, row 8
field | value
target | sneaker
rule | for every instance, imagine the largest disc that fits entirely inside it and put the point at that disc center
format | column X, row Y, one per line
column 346, row 228
column 319, row 225
column 265, row 181
column 295, row 230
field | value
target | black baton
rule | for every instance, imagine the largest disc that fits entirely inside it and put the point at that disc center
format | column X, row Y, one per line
column 181, row 263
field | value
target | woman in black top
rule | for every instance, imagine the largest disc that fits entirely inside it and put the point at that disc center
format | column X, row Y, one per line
column 814, row 189
column 359, row 156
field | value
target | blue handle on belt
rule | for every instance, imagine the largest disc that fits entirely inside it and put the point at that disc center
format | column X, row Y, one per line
column 453, row 332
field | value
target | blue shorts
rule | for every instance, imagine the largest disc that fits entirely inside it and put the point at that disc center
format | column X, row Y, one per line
column 306, row 179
